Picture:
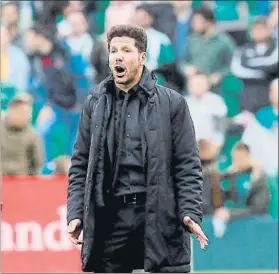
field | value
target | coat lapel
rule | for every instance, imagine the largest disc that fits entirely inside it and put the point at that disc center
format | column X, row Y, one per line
column 110, row 128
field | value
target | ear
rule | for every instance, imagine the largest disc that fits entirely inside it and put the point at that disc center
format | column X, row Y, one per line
column 143, row 57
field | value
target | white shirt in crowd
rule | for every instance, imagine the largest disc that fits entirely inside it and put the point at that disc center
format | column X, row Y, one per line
column 204, row 111
column 263, row 144
column 82, row 45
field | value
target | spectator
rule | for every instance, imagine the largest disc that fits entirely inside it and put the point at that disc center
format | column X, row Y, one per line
column 15, row 67
column 10, row 16
column 53, row 69
column 163, row 12
column 119, row 13
column 54, row 74
column 63, row 27
column 99, row 58
column 159, row 47
column 256, row 64
column 207, row 110
column 273, row 21
column 208, row 51
column 21, row 146
column 249, row 190
column 183, row 13
column 263, row 128
column 79, row 40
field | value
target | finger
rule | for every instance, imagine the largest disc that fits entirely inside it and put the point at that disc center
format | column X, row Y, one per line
column 200, row 233
column 72, row 239
column 203, row 244
column 71, row 228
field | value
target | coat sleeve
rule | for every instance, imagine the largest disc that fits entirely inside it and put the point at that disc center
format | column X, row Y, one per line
column 79, row 164
column 186, row 165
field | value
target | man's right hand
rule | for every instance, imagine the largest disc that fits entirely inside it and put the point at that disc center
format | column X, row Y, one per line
column 74, row 230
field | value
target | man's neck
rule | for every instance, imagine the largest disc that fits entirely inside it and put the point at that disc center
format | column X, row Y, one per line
column 127, row 87
column 209, row 33
column 182, row 14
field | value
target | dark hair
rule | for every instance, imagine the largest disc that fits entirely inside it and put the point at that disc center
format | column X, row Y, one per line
column 134, row 32
column 206, row 13
column 42, row 30
column 9, row 3
column 242, row 146
column 20, row 101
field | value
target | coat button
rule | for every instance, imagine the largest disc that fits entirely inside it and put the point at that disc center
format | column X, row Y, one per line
column 96, row 126
column 129, row 115
column 128, row 134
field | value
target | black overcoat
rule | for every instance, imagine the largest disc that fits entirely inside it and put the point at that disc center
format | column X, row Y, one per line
column 173, row 174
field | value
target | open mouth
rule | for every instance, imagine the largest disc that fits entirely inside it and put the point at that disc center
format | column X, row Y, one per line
column 120, row 71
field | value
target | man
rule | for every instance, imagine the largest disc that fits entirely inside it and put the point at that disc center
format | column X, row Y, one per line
column 21, row 147
column 159, row 49
column 205, row 38
column 10, row 15
column 59, row 83
column 183, row 12
column 15, row 68
column 264, row 126
column 248, row 193
column 135, row 182
column 256, row 64
column 208, row 111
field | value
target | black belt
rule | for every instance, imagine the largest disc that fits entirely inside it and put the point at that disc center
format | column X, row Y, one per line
column 130, row 199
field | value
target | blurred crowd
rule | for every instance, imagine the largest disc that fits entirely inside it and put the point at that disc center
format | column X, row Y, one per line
column 221, row 55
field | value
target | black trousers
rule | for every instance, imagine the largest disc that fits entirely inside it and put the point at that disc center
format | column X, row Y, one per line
column 120, row 240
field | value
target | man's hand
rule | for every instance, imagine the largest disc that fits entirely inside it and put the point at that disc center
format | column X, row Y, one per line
column 74, row 230
column 222, row 214
column 197, row 231
column 215, row 79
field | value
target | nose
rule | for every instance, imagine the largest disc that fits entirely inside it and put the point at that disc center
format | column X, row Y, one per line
column 119, row 56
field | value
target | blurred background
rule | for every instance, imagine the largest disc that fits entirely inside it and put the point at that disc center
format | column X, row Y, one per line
column 222, row 56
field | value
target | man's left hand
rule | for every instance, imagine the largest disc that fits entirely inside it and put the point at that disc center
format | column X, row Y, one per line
column 197, row 231
column 222, row 214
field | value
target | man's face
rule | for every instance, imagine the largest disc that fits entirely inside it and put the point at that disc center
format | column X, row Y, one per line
column 273, row 95
column 77, row 23
column 181, row 5
column 5, row 39
column 199, row 24
column 19, row 116
column 240, row 158
column 10, row 14
column 125, row 60
column 260, row 33
column 198, row 85
column 143, row 19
